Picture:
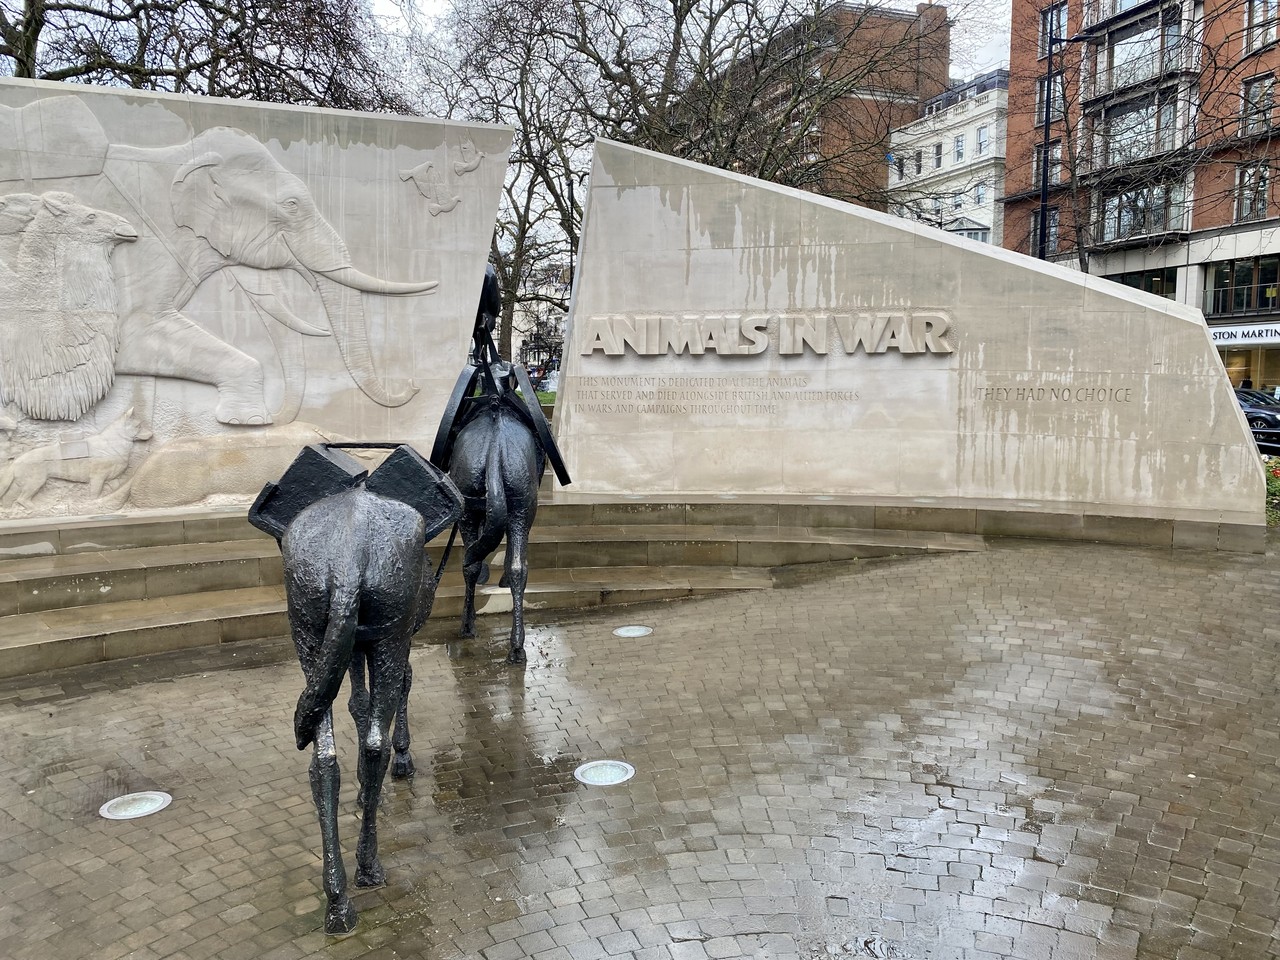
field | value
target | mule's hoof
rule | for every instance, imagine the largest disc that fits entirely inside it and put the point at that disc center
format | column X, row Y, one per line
column 516, row 656
column 402, row 767
column 467, row 632
column 374, row 876
column 340, row 918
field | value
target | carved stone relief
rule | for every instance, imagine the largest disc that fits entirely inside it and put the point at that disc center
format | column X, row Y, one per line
column 224, row 269
column 94, row 460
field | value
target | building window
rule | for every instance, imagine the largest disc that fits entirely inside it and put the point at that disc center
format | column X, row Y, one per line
column 919, row 162
column 1055, row 163
column 1260, row 23
column 1256, row 103
column 1058, row 104
column 957, row 201
column 936, row 204
column 1050, row 237
column 1101, row 9
column 982, row 236
column 901, row 164
column 1162, row 282
column 983, row 140
column 958, row 148
column 1140, row 211
column 1140, row 52
column 1138, row 128
column 1053, row 23
column 937, row 156
column 1242, row 286
column 980, row 194
column 1252, row 181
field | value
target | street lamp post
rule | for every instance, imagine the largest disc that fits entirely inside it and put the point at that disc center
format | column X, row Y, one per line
column 1051, row 41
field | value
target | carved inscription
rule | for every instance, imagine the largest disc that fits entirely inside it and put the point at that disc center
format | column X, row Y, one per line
column 1056, row 394
column 746, row 335
column 688, row 396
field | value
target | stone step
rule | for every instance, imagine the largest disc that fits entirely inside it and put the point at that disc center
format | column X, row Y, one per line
column 71, row 636
column 216, row 525
column 38, row 583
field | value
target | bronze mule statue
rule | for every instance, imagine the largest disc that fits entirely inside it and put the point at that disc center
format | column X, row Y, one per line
column 359, row 585
column 495, row 443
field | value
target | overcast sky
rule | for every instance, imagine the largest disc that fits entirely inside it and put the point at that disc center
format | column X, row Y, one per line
column 979, row 38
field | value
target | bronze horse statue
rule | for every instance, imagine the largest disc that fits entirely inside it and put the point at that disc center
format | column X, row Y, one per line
column 359, row 584
column 496, row 444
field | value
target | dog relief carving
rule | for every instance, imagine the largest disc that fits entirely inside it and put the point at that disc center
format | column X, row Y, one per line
column 94, row 460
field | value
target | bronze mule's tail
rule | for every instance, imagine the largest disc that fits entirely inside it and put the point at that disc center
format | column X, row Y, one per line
column 331, row 661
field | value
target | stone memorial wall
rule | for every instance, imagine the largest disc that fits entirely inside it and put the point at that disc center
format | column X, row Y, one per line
column 191, row 289
column 731, row 338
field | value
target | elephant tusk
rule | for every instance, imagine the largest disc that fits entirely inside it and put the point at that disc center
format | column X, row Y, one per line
column 351, row 277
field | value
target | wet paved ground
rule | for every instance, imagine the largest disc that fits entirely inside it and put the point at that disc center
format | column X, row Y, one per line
column 1043, row 751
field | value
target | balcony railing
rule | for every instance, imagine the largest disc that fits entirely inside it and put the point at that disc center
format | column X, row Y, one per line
column 1256, row 298
column 1096, row 11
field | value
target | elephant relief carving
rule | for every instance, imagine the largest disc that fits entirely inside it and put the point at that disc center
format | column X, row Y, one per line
column 219, row 201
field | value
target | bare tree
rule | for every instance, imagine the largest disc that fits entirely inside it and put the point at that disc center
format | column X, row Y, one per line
column 800, row 92
column 318, row 52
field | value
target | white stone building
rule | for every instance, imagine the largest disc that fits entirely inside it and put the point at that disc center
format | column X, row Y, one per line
column 947, row 168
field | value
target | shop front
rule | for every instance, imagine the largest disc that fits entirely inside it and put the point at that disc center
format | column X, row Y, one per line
column 1251, row 353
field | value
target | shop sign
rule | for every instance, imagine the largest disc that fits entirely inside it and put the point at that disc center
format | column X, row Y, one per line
column 1245, row 334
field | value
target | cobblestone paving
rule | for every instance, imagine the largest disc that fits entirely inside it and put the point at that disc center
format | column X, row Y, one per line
column 1043, row 751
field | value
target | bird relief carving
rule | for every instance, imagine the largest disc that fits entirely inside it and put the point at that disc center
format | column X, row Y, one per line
column 471, row 158
column 432, row 187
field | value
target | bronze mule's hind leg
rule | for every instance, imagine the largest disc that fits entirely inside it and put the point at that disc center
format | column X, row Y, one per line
column 386, row 681
column 517, row 577
column 402, row 761
column 340, row 916
column 480, row 543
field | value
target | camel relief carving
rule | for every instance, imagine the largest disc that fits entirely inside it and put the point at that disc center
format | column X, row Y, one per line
column 217, row 201
column 59, row 313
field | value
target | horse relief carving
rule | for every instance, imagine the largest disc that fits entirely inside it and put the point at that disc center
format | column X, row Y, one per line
column 59, row 310
column 95, row 460
column 219, row 200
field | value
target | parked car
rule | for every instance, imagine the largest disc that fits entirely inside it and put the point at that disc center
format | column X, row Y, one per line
column 1262, row 414
column 1257, row 396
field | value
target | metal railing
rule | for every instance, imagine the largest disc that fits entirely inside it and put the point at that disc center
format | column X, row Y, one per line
column 1255, row 298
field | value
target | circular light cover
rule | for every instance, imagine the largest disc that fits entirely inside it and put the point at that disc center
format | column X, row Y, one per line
column 633, row 630
column 134, row 805
column 604, row 773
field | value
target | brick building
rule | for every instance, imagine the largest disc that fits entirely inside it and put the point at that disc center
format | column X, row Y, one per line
column 837, row 84
column 1160, row 155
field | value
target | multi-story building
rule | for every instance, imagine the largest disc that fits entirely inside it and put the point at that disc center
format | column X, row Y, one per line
column 947, row 168
column 824, row 94
column 1159, row 150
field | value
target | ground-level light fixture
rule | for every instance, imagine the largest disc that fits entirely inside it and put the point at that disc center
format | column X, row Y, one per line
column 134, row 805
column 604, row 773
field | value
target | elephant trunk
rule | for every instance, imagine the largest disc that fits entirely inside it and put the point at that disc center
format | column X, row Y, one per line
column 346, row 317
